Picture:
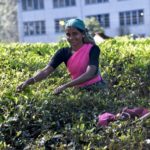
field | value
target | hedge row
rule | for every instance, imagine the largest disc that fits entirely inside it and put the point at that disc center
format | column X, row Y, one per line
column 37, row 119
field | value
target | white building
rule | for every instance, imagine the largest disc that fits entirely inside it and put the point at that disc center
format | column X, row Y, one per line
column 42, row 20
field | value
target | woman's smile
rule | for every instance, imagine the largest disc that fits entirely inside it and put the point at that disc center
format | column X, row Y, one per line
column 74, row 37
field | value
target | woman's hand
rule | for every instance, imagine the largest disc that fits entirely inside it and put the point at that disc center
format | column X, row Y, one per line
column 60, row 89
column 40, row 76
column 24, row 85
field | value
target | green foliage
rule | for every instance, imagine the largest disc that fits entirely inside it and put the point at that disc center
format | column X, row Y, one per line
column 93, row 25
column 8, row 21
column 127, row 66
column 36, row 118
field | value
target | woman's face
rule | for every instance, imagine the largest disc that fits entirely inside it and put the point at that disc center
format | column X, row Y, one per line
column 74, row 37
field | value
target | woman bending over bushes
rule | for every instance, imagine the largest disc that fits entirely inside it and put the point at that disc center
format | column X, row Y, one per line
column 81, row 60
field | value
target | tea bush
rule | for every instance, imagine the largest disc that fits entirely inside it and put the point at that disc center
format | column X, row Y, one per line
column 37, row 119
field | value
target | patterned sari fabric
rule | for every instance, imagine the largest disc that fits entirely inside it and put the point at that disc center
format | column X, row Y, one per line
column 105, row 118
column 77, row 65
column 135, row 112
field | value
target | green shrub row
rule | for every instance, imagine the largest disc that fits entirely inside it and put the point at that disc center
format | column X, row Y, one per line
column 37, row 119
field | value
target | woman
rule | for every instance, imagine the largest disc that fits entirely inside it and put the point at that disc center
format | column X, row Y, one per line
column 81, row 59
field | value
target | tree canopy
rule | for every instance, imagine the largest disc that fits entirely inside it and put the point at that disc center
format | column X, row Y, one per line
column 8, row 21
column 93, row 25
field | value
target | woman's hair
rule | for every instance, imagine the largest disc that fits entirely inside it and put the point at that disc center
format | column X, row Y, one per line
column 80, row 26
column 87, row 37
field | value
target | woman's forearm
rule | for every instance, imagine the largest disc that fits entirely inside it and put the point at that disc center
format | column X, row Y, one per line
column 89, row 74
column 42, row 74
column 83, row 78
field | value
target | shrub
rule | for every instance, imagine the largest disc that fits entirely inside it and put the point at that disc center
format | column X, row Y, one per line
column 36, row 118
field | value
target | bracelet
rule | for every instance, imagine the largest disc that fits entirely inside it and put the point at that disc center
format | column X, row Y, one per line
column 33, row 79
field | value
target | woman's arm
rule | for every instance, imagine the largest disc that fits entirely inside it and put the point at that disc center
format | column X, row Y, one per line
column 43, row 73
column 40, row 76
column 91, row 70
column 89, row 74
column 56, row 60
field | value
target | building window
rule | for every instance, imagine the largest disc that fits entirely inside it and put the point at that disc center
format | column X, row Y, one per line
column 32, row 4
column 95, row 1
column 103, row 19
column 128, row 17
column 60, row 24
column 134, row 17
column 63, row 3
column 34, row 28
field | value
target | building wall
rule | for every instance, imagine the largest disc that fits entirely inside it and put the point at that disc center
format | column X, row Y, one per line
column 81, row 10
column 135, row 5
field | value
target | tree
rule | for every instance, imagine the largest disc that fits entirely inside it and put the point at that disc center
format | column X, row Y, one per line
column 8, row 21
column 93, row 25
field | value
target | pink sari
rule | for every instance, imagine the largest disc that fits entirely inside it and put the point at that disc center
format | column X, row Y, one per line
column 78, row 62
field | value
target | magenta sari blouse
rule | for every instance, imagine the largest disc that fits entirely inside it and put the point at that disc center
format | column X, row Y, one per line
column 78, row 62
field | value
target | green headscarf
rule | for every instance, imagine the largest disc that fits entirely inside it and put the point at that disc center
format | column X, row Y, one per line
column 76, row 23
column 79, row 24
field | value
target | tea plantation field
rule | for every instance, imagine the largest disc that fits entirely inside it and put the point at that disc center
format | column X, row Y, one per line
column 35, row 119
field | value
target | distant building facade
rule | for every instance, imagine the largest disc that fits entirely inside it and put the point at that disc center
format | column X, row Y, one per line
column 43, row 20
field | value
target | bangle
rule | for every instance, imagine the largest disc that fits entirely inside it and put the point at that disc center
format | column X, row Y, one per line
column 33, row 79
